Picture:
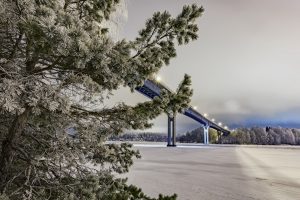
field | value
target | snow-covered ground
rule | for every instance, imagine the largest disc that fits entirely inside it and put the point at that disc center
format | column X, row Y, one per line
column 198, row 172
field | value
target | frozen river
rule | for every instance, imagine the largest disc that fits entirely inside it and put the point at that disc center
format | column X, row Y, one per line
column 218, row 172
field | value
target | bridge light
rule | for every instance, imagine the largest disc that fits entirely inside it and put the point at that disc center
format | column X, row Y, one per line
column 213, row 120
column 205, row 115
column 158, row 78
column 226, row 127
column 195, row 107
column 220, row 123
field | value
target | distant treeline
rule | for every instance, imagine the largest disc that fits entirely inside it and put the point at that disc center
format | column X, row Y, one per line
column 256, row 135
column 149, row 137
column 268, row 135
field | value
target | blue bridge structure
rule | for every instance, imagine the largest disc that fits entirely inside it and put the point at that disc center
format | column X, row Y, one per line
column 153, row 89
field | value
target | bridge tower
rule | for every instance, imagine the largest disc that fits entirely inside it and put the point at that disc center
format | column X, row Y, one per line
column 206, row 134
column 171, row 131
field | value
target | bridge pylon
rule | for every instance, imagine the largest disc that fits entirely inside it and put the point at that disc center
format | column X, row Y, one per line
column 206, row 134
column 171, row 131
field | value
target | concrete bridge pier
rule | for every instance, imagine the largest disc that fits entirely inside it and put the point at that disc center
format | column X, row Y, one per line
column 171, row 131
column 206, row 134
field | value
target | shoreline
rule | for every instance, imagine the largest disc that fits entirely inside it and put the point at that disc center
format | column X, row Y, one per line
column 164, row 144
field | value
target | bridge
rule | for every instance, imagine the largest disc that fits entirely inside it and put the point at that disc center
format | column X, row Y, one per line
column 152, row 89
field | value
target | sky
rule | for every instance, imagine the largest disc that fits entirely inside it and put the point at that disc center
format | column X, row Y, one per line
column 244, row 66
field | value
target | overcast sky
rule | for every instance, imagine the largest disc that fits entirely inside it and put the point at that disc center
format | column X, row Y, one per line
column 244, row 66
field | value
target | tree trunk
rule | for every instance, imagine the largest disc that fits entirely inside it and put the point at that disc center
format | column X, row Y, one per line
column 7, row 146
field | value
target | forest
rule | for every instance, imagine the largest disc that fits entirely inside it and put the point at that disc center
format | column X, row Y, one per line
column 254, row 135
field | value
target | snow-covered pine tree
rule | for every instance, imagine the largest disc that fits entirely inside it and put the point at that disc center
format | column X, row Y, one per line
column 57, row 64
